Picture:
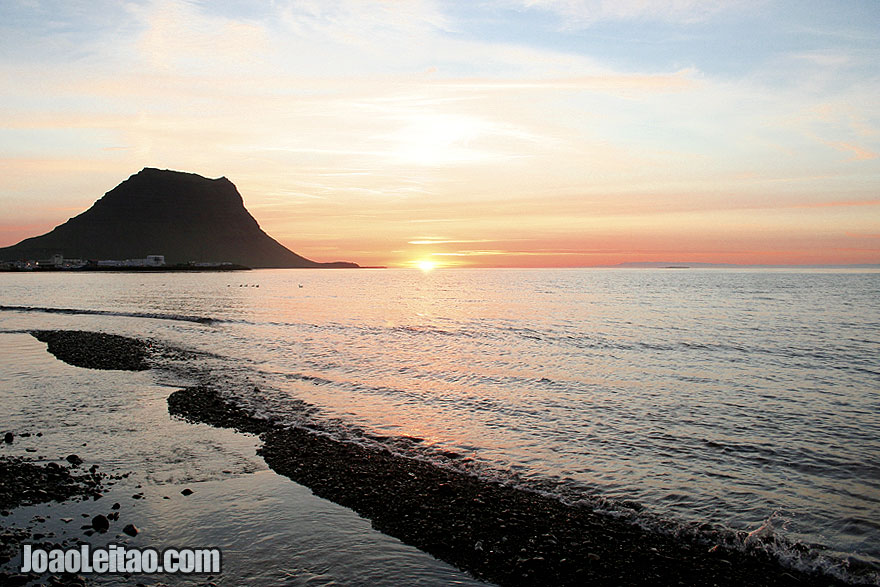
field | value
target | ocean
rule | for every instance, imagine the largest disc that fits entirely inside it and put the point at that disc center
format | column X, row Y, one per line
column 745, row 400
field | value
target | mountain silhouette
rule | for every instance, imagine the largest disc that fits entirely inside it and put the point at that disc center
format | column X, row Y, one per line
column 183, row 216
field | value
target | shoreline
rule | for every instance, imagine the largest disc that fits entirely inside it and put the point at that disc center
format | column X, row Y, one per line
column 182, row 485
column 499, row 533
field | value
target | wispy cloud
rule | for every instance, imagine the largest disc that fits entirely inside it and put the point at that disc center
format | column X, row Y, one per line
column 581, row 13
column 372, row 119
column 859, row 153
column 449, row 241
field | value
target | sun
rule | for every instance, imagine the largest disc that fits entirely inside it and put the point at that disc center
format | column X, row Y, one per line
column 426, row 265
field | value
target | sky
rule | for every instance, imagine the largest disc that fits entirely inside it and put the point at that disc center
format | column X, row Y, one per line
column 519, row 133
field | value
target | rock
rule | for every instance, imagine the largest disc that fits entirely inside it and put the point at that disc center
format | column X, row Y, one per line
column 130, row 529
column 23, row 482
column 101, row 523
column 14, row 580
column 74, row 460
column 115, row 506
column 187, row 491
column 8, row 438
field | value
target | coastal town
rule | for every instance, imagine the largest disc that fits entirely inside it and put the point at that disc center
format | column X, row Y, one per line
column 58, row 262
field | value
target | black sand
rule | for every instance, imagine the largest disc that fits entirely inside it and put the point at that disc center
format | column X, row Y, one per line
column 499, row 533
column 27, row 483
column 22, row 483
column 502, row 534
column 95, row 350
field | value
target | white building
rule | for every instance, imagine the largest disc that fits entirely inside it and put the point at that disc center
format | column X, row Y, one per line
column 150, row 261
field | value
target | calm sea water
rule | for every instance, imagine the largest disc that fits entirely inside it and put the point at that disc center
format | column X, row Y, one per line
column 734, row 397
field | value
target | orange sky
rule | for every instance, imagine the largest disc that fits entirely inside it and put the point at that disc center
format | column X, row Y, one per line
column 516, row 133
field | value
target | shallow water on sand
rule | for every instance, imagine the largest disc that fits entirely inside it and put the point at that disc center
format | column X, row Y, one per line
column 732, row 397
column 270, row 530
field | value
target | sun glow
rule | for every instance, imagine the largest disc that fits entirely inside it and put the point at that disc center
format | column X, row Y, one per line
column 426, row 265
column 440, row 139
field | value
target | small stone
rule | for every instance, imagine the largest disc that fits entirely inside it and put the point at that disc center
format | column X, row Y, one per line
column 101, row 523
column 445, row 489
column 130, row 529
column 187, row 491
column 74, row 460
column 115, row 506
column 67, row 520
column 8, row 438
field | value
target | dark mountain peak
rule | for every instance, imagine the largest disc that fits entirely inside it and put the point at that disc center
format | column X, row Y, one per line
column 160, row 192
column 183, row 216
column 170, row 175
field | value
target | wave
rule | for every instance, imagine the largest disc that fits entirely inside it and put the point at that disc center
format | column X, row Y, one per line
column 254, row 390
column 78, row 311
column 769, row 541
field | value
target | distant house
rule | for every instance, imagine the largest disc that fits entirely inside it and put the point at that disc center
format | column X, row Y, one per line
column 149, row 261
column 57, row 261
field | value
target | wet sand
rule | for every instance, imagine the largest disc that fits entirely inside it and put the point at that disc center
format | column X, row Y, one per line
column 270, row 530
column 496, row 532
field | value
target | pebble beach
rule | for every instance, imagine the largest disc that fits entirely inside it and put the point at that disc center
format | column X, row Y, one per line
column 489, row 531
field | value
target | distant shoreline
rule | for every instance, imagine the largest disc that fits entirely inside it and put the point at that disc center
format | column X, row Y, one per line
column 168, row 269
